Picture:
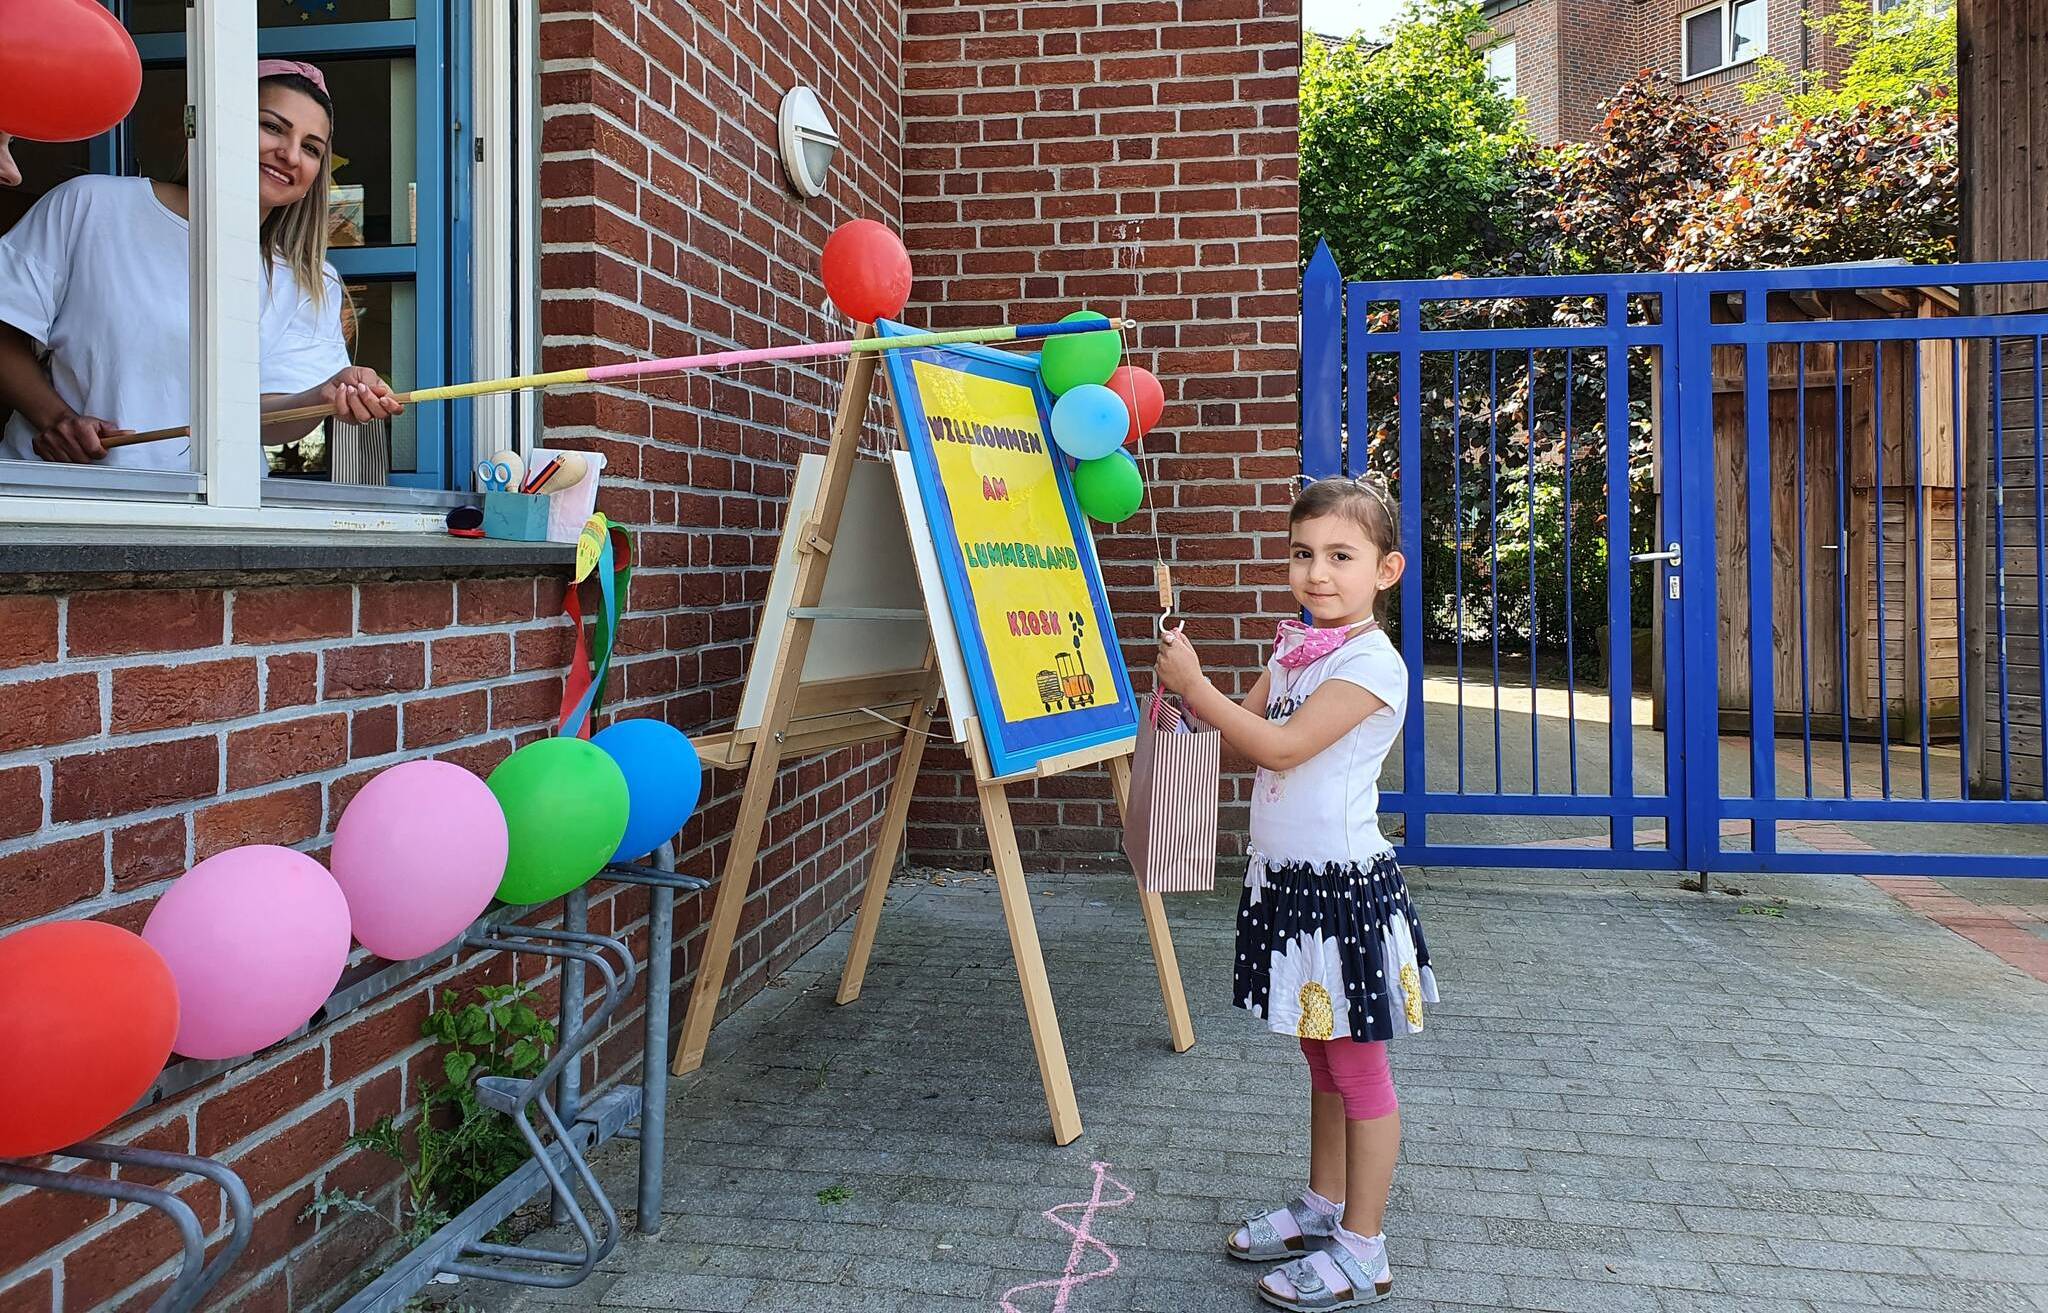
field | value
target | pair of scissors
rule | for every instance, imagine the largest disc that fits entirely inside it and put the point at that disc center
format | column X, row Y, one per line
column 500, row 473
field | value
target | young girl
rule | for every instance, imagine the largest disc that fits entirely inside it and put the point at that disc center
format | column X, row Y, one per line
column 1328, row 945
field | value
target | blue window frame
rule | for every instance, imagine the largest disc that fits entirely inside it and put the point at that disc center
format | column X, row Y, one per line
column 414, row 283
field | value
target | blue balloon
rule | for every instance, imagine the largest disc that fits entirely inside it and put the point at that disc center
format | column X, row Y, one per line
column 1090, row 421
column 663, row 779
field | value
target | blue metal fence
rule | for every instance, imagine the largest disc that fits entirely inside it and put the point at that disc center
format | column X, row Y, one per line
column 1775, row 489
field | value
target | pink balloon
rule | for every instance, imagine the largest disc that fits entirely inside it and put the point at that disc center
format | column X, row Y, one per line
column 418, row 854
column 256, row 938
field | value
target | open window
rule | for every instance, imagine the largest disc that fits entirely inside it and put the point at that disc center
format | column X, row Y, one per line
column 423, row 94
column 1500, row 65
column 1723, row 34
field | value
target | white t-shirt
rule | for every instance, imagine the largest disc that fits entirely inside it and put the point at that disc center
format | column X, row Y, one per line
column 98, row 274
column 1327, row 808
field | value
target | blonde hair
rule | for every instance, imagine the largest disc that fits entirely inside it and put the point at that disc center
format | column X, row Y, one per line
column 296, row 234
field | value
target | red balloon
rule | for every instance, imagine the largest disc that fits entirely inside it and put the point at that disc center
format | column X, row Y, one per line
column 1142, row 393
column 68, row 69
column 87, row 1015
column 867, row 271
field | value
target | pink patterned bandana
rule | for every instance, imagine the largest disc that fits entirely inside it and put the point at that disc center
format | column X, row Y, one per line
column 1301, row 645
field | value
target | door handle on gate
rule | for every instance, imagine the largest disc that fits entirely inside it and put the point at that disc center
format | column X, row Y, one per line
column 1670, row 554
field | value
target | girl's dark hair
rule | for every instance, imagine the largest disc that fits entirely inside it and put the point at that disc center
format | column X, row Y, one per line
column 1365, row 500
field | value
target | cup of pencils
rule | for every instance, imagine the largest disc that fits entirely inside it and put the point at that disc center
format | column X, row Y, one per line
column 522, row 515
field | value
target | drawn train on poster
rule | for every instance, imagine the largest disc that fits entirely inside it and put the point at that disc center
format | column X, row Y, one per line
column 1068, row 684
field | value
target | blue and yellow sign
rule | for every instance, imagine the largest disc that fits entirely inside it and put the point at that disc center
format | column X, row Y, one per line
column 1018, row 565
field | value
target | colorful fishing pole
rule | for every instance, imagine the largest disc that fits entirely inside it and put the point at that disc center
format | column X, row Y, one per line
column 673, row 365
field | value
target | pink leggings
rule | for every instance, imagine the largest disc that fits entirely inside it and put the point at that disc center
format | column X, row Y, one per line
column 1356, row 1071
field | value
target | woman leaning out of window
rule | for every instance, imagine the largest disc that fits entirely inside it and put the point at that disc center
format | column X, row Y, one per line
column 95, row 301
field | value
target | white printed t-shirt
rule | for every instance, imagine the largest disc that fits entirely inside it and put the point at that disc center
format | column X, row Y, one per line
column 1326, row 810
column 98, row 273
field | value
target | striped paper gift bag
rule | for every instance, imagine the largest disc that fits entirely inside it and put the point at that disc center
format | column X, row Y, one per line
column 1170, row 824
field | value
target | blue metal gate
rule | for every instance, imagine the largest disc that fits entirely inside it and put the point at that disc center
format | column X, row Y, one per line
column 1751, row 493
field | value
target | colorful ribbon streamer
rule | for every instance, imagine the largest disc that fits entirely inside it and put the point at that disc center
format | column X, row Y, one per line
column 605, row 549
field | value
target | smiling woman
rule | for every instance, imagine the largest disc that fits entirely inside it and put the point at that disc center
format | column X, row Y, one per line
column 95, row 300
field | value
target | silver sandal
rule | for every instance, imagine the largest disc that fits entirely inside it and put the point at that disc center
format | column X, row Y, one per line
column 1313, row 1294
column 1313, row 1231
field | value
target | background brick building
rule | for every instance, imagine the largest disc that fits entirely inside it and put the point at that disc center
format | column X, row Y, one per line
column 1568, row 57
column 1140, row 155
column 173, row 698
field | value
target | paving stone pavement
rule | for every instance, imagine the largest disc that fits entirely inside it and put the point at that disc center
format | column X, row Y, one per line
column 1632, row 1098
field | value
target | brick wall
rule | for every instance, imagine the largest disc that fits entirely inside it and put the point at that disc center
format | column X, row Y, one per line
column 668, row 226
column 1789, row 41
column 1570, row 58
column 1138, row 158
column 163, row 725
column 169, row 723
column 1598, row 50
column 1533, row 28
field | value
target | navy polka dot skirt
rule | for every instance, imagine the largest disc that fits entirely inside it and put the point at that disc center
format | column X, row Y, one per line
column 1332, row 950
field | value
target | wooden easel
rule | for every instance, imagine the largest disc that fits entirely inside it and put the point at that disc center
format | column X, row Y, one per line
column 804, row 719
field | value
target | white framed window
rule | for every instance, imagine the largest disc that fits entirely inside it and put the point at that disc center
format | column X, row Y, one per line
column 1500, row 65
column 479, row 279
column 1894, row 16
column 1722, row 35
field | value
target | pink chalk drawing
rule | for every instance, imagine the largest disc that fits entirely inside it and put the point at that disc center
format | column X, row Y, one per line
column 1065, row 1284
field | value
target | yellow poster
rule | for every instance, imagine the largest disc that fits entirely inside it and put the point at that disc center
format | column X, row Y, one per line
column 1031, row 597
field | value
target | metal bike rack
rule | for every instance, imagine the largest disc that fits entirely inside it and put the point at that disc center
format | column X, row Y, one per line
column 196, row 1277
column 569, row 1127
column 652, row 1132
column 574, row 1127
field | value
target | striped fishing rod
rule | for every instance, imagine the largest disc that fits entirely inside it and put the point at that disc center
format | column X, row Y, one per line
column 679, row 364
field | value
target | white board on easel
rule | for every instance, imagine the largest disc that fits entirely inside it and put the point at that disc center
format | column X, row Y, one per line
column 881, row 561
column 863, row 573
column 952, row 666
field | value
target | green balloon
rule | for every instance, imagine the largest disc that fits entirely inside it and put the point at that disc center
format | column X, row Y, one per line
column 565, row 804
column 1077, row 358
column 1109, row 489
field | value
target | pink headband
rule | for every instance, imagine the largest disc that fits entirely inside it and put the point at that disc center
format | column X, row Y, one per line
column 266, row 68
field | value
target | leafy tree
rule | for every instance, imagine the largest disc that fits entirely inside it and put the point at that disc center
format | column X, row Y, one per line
column 1665, row 185
column 1869, row 183
column 1903, row 58
column 1620, row 203
column 1406, row 148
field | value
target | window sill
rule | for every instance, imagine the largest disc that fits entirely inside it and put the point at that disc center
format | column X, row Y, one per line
column 57, row 496
column 74, row 551
column 356, row 497
column 1743, row 63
